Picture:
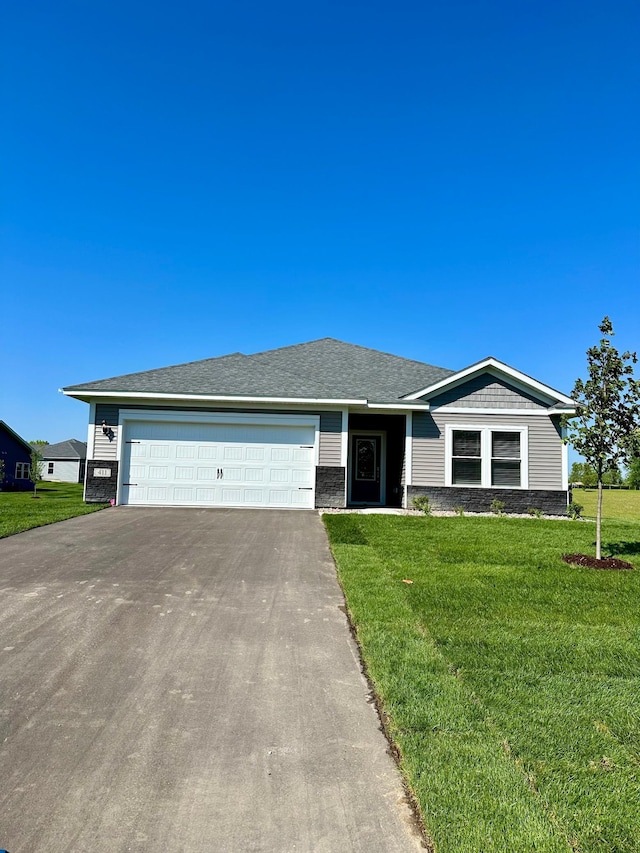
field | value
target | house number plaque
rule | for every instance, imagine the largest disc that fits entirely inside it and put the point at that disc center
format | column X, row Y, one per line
column 102, row 472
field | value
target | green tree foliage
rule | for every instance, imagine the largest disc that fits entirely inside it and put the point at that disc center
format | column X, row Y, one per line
column 35, row 469
column 633, row 477
column 604, row 430
column 586, row 475
column 582, row 472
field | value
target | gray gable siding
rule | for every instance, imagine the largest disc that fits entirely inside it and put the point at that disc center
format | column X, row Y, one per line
column 330, row 428
column 489, row 392
column 545, row 446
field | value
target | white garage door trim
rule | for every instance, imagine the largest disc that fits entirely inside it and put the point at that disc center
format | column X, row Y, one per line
column 221, row 418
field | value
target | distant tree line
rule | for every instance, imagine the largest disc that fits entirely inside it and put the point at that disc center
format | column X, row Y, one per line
column 586, row 475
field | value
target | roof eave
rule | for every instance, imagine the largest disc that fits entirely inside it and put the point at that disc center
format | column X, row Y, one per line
column 89, row 394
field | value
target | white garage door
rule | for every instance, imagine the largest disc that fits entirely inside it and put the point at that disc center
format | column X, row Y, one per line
column 218, row 464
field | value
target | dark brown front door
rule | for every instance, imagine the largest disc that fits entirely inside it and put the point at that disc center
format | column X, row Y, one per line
column 366, row 465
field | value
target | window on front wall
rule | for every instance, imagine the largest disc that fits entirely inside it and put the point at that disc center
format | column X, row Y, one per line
column 505, row 459
column 487, row 456
column 466, row 462
column 22, row 470
column 50, row 468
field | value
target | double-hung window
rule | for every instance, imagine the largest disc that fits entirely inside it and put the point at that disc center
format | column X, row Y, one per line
column 22, row 471
column 49, row 468
column 490, row 457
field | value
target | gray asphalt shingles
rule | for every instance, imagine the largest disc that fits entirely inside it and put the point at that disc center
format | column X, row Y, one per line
column 322, row 369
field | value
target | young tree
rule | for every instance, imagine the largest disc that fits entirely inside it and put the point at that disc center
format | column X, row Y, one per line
column 604, row 429
column 633, row 477
column 35, row 470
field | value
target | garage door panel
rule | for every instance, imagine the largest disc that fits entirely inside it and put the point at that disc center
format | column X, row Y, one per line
column 271, row 465
column 156, row 472
column 208, row 452
column 207, row 474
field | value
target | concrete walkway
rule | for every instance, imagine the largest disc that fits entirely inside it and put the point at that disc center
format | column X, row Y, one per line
column 184, row 680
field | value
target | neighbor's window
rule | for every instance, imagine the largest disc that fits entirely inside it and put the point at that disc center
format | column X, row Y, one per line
column 50, row 468
column 466, row 461
column 22, row 470
column 505, row 459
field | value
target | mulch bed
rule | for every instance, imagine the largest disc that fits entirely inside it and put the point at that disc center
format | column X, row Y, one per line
column 592, row 563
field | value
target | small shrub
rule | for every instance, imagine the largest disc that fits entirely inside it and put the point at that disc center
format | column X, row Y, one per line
column 533, row 510
column 497, row 507
column 574, row 510
column 459, row 510
column 421, row 503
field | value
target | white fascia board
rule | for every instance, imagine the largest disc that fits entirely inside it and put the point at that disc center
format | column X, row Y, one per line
column 401, row 407
column 494, row 366
column 470, row 410
column 214, row 398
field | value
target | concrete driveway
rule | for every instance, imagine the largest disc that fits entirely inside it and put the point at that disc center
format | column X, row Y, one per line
column 184, row 680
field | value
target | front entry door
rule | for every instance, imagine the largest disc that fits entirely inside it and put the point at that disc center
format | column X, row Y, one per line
column 366, row 468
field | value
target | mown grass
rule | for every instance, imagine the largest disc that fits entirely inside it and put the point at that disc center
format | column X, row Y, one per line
column 20, row 511
column 510, row 680
column 623, row 504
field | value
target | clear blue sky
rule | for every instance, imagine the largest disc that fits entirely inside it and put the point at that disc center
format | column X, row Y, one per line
column 439, row 180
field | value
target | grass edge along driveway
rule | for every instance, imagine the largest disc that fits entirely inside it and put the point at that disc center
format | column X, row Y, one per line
column 20, row 511
column 508, row 679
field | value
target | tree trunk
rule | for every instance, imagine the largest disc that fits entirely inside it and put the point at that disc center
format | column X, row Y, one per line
column 599, row 522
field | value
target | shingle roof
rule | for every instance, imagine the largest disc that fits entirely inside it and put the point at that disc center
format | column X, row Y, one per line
column 322, row 369
column 69, row 449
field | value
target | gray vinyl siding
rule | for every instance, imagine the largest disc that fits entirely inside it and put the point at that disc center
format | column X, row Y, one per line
column 545, row 446
column 330, row 428
column 427, row 463
column 330, row 439
column 64, row 470
column 102, row 447
column 487, row 392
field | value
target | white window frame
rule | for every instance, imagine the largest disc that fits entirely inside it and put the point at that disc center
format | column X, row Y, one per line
column 485, row 454
column 25, row 471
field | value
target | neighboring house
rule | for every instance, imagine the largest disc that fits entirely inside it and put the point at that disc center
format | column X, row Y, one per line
column 65, row 461
column 15, row 452
column 326, row 424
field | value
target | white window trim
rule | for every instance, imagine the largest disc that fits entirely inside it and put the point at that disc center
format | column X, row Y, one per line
column 24, row 466
column 485, row 439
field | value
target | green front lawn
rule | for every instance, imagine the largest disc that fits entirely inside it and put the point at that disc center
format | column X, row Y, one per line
column 510, row 680
column 616, row 503
column 55, row 501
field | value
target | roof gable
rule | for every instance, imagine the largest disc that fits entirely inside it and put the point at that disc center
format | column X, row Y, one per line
column 69, row 449
column 529, row 387
column 14, row 435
